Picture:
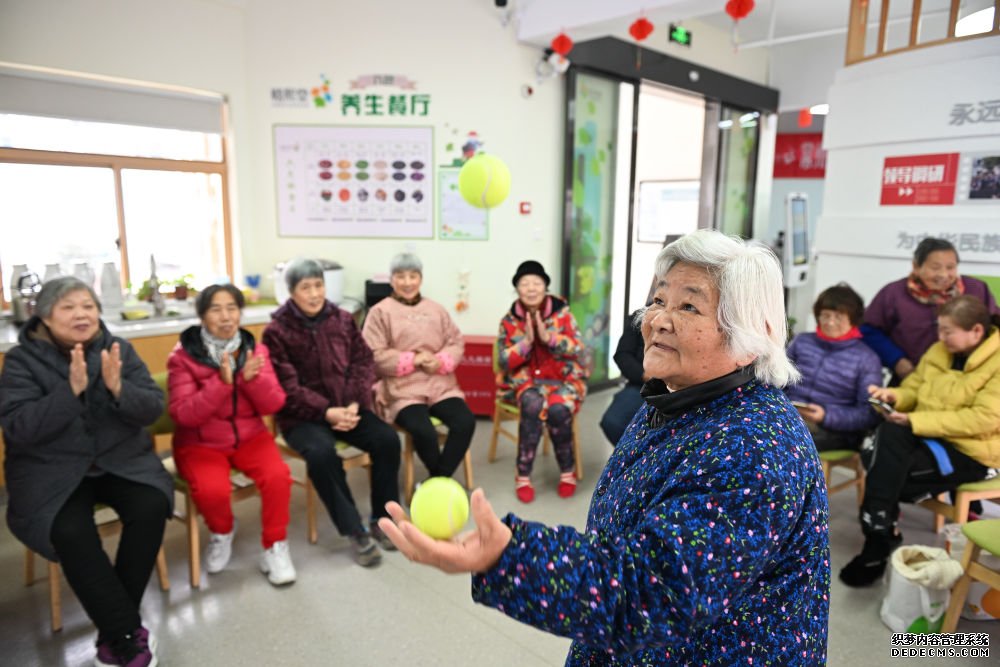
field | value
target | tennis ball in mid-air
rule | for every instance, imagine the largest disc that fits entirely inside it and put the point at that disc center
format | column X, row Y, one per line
column 440, row 507
column 484, row 181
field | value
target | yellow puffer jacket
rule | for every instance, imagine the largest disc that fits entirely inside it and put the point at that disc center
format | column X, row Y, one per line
column 962, row 407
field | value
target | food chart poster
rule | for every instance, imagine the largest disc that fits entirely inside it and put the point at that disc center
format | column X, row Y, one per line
column 367, row 182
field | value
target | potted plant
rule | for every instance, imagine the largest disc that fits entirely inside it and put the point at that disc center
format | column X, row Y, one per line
column 182, row 286
column 145, row 292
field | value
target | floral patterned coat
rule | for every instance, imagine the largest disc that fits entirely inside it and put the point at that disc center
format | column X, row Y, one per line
column 706, row 544
column 517, row 359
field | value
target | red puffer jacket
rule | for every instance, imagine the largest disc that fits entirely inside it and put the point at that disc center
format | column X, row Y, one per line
column 207, row 411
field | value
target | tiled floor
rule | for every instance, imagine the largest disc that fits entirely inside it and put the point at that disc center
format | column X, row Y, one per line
column 340, row 614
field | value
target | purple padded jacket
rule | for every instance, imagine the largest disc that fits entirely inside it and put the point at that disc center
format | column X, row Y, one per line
column 912, row 325
column 321, row 362
column 836, row 375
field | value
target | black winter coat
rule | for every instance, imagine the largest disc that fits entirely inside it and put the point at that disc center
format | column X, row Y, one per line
column 54, row 439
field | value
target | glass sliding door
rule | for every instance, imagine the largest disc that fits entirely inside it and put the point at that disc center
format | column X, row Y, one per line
column 599, row 138
column 739, row 136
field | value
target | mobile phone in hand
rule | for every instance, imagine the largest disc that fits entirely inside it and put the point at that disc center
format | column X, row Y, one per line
column 881, row 406
column 800, row 404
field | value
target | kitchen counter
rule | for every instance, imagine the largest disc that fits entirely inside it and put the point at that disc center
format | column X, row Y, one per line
column 154, row 326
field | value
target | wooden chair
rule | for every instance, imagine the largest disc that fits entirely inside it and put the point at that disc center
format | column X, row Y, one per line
column 242, row 487
column 408, row 451
column 844, row 458
column 504, row 411
column 965, row 493
column 107, row 524
column 352, row 458
column 982, row 535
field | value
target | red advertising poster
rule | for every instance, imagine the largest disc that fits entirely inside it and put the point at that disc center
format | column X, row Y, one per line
column 799, row 156
column 919, row 180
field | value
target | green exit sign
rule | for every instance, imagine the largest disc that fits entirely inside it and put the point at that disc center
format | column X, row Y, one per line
column 680, row 35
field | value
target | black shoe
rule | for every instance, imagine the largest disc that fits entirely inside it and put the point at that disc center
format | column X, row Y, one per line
column 863, row 570
column 868, row 567
column 380, row 537
column 366, row 554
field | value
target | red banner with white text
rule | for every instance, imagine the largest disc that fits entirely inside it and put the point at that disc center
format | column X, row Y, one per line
column 919, row 180
column 799, row 156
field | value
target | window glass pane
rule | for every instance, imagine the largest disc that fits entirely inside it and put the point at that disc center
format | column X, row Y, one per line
column 77, row 136
column 56, row 215
column 738, row 132
column 592, row 216
column 177, row 217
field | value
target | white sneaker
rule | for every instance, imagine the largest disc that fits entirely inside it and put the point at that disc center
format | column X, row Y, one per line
column 276, row 563
column 220, row 548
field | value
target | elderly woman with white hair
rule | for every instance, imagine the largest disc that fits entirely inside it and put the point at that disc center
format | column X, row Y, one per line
column 706, row 541
column 417, row 348
column 73, row 403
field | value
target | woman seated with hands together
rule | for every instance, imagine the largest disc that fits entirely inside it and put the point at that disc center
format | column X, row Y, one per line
column 706, row 541
column 837, row 369
column 327, row 372
column 417, row 347
column 539, row 351
column 943, row 430
column 74, row 401
column 221, row 384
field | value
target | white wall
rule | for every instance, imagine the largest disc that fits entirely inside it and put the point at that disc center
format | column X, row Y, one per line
column 895, row 106
column 456, row 50
column 804, row 70
column 710, row 47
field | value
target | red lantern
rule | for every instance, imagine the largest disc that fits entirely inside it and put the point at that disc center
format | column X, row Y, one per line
column 739, row 9
column 562, row 44
column 640, row 29
column 805, row 117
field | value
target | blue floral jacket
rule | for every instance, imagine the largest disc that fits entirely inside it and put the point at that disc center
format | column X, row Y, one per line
column 706, row 544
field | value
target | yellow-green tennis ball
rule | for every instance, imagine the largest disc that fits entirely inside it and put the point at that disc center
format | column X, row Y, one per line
column 484, row 181
column 440, row 507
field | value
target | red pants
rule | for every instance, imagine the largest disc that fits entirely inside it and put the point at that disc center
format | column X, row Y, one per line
column 206, row 471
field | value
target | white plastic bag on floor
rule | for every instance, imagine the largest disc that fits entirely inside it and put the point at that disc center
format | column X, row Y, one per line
column 982, row 603
column 920, row 579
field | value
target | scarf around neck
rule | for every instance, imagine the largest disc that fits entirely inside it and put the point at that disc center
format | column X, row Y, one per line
column 850, row 335
column 216, row 347
column 927, row 296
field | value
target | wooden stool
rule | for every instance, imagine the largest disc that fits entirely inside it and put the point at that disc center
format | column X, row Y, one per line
column 104, row 528
column 844, row 458
column 506, row 412
column 965, row 493
column 408, row 451
column 982, row 535
column 351, row 457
